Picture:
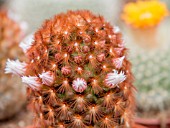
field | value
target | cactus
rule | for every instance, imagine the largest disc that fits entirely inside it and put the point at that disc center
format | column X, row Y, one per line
column 152, row 72
column 149, row 43
column 78, row 74
column 144, row 14
column 11, row 89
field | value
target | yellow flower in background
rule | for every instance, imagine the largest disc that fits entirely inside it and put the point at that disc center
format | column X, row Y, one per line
column 144, row 14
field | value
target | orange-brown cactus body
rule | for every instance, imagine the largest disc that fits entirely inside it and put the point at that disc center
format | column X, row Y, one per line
column 12, row 91
column 10, row 33
column 78, row 48
column 10, row 36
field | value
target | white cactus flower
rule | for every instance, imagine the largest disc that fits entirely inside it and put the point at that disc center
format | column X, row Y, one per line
column 79, row 85
column 118, row 62
column 115, row 78
column 116, row 29
column 47, row 78
column 32, row 81
column 15, row 67
column 27, row 43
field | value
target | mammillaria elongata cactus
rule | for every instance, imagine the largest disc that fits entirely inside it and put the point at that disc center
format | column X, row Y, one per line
column 78, row 73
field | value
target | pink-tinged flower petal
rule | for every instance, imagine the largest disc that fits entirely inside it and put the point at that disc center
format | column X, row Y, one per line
column 102, row 43
column 78, row 59
column 16, row 67
column 32, row 81
column 101, row 57
column 118, row 51
column 86, row 49
column 118, row 62
column 66, row 70
column 79, row 85
column 27, row 43
column 115, row 78
column 47, row 78
column 116, row 29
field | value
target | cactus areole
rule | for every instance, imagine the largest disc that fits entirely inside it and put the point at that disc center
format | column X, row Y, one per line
column 77, row 73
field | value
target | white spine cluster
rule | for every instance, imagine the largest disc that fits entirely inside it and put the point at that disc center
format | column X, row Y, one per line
column 115, row 78
column 79, row 85
column 118, row 50
column 118, row 62
column 15, row 67
column 26, row 43
column 47, row 78
column 32, row 81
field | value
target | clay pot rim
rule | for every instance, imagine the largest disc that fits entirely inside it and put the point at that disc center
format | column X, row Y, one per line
column 133, row 126
column 150, row 121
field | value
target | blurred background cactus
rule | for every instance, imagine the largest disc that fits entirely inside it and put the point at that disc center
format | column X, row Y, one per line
column 78, row 73
column 148, row 40
column 152, row 78
column 143, row 19
column 12, row 91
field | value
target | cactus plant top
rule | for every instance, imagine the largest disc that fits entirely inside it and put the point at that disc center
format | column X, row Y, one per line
column 144, row 14
column 77, row 73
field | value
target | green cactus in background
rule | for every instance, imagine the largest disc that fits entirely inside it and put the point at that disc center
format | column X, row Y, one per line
column 152, row 72
column 148, row 39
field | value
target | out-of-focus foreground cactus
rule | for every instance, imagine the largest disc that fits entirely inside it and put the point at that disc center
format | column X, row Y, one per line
column 78, row 73
column 12, row 91
column 149, row 53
